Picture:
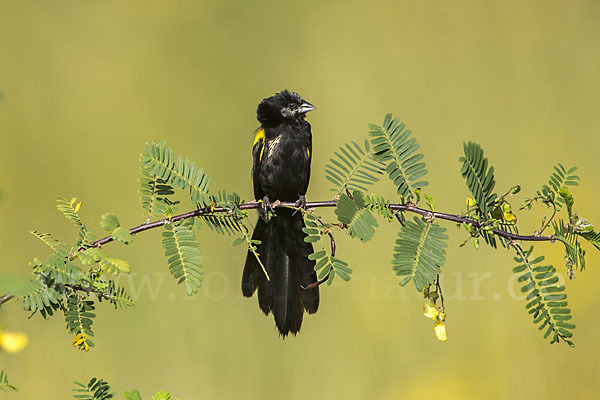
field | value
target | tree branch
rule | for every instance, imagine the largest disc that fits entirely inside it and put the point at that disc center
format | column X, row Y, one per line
column 329, row 203
column 75, row 287
column 316, row 204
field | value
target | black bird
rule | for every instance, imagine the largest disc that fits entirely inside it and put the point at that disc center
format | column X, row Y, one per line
column 281, row 170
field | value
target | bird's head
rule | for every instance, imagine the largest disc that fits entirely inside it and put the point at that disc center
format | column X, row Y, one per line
column 283, row 106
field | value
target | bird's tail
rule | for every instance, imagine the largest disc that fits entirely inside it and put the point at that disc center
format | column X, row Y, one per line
column 284, row 255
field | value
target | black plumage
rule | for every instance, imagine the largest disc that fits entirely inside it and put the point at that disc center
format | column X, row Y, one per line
column 281, row 170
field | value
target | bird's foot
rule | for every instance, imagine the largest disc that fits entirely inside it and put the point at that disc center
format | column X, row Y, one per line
column 300, row 203
column 264, row 208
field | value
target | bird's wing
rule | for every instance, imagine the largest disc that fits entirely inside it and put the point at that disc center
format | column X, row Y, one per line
column 258, row 149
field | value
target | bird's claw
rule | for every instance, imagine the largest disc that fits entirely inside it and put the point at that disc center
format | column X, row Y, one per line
column 263, row 209
column 300, row 204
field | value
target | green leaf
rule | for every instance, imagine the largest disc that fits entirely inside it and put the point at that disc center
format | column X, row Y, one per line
column 353, row 168
column 546, row 301
column 96, row 389
column 310, row 231
column 393, row 146
column 325, row 264
column 16, row 286
column 550, row 193
column 58, row 268
column 353, row 213
column 109, row 264
column 154, row 192
column 109, row 222
column 317, row 255
column 56, row 246
column 70, row 209
column 238, row 241
column 116, row 295
column 379, row 205
column 593, row 238
column 122, row 235
column 162, row 395
column 420, row 252
column 132, row 394
column 480, row 179
column 574, row 254
column 40, row 297
column 312, row 239
column 430, row 201
column 225, row 223
column 79, row 318
column 159, row 161
column 564, row 193
column 4, row 385
column 185, row 262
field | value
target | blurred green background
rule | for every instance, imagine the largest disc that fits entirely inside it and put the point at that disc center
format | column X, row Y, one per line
column 84, row 84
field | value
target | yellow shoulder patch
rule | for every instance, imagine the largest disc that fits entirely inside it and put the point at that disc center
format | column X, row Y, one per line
column 260, row 138
column 308, row 152
column 260, row 134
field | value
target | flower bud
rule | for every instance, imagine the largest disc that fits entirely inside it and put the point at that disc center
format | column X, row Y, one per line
column 440, row 330
column 429, row 310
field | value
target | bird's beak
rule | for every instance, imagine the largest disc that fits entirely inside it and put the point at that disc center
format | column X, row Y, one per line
column 305, row 107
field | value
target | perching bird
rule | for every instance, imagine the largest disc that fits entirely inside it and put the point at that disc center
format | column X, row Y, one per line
column 281, row 169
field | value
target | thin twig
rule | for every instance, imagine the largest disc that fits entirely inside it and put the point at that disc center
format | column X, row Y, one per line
column 74, row 287
column 316, row 204
column 6, row 297
column 326, row 277
column 439, row 290
column 545, row 222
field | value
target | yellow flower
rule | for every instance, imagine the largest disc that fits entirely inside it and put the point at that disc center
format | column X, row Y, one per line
column 78, row 339
column 429, row 310
column 509, row 217
column 13, row 342
column 507, row 212
column 440, row 330
column 471, row 202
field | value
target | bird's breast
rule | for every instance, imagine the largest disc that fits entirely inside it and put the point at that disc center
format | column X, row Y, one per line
column 272, row 146
column 285, row 168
